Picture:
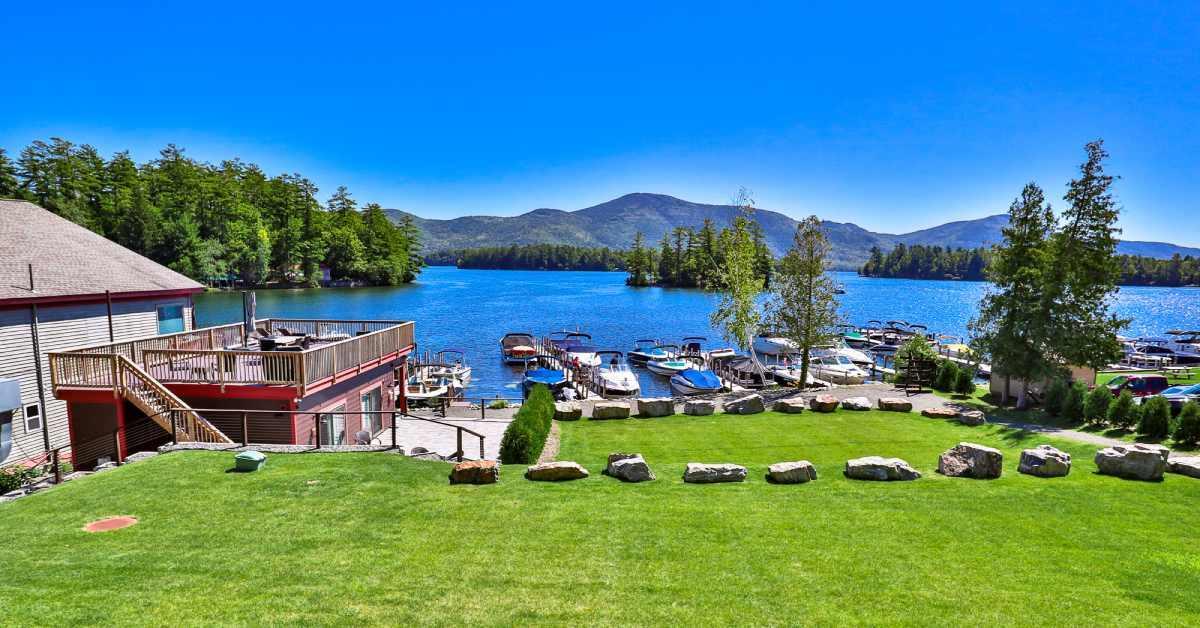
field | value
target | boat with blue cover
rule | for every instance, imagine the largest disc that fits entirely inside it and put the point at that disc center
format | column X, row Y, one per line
column 546, row 370
column 696, row 381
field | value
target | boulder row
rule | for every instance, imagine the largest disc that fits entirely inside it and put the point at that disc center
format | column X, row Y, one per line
column 791, row 405
column 969, row 460
column 1138, row 461
column 699, row 473
column 856, row 403
column 699, row 407
column 940, row 413
column 880, row 469
column 1045, row 461
column 823, row 403
column 475, row 472
column 1189, row 466
column 797, row 472
column 556, row 471
column 895, row 404
column 655, row 407
column 972, row 417
column 567, row 411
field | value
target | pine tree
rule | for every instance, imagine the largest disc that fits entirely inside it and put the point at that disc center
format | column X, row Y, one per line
column 737, row 313
column 9, row 186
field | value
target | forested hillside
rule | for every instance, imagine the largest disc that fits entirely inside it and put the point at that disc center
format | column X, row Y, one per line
column 215, row 222
column 531, row 257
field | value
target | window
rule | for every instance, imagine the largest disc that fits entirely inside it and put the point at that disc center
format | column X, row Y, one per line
column 33, row 417
column 170, row 319
column 372, row 401
column 333, row 426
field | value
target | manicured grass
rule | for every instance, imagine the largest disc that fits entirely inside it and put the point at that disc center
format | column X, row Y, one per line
column 382, row 539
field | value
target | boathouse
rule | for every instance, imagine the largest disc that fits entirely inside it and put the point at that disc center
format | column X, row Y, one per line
column 63, row 286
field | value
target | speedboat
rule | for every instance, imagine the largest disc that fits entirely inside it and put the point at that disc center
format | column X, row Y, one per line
column 425, row 391
column 546, row 370
column 672, row 364
column 837, row 369
column 695, row 381
column 838, row 347
column 693, row 347
column 576, row 347
column 1178, row 352
column 451, row 363
column 772, row 344
column 517, row 347
column 613, row 378
column 646, row 349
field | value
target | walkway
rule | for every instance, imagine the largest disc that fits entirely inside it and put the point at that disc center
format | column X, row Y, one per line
column 443, row 440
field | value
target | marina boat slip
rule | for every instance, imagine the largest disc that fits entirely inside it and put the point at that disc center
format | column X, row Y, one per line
column 613, row 377
column 517, row 347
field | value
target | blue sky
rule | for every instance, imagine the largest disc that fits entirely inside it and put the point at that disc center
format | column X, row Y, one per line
column 890, row 116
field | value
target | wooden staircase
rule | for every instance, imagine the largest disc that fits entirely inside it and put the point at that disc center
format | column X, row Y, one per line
column 162, row 406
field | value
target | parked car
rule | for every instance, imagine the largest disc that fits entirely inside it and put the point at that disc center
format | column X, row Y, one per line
column 1179, row 395
column 1138, row 385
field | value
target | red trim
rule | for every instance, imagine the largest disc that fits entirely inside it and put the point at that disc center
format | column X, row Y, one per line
column 86, row 395
column 97, row 298
column 232, row 391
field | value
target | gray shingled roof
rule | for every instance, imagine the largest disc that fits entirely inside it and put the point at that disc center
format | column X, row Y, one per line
column 70, row 260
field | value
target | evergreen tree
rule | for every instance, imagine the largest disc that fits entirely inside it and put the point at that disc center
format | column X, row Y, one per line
column 639, row 265
column 1187, row 428
column 9, row 186
column 803, row 306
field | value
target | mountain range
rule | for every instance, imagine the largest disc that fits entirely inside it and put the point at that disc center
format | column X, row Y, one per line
column 614, row 223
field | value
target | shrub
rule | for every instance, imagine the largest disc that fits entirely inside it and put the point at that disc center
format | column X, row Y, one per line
column 1122, row 412
column 916, row 348
column 498, row 404
column 1072, row 405
column 1156, row 418
column 964, row 383
column 15, row 476
column 1095, row 406
column 1054, row 396
column 1187, row 429
column 947, row 376
column 525, row 437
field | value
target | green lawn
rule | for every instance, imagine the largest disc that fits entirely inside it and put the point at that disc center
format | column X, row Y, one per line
column 382, row 539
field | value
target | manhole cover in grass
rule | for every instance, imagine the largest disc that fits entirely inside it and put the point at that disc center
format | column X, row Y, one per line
column 111, row 523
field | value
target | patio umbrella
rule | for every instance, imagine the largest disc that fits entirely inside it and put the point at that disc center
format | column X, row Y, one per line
column 249, row 306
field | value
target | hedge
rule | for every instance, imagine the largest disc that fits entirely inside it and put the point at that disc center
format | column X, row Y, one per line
column 525, row 437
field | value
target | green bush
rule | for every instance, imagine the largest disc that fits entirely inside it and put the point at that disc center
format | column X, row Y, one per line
column 1095, row 406
column 1072, row 404
column 1156, row 418
column 964, row 383
column 1122, row 412
column 1187, row 429
column 916, row 348
column 947, row 376
column 1054, row 396
column 498, row 404
column 15, row 476
column 525, row 437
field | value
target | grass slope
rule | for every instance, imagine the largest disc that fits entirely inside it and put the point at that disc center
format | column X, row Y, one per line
column 383, row 539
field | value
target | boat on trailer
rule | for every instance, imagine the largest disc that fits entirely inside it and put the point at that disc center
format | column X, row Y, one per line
column 517, row 347
column 613, row 377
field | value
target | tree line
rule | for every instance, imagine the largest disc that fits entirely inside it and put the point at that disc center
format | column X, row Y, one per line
column 935, row 262
column 215, row 222
column 532, row 257
column 693, row 258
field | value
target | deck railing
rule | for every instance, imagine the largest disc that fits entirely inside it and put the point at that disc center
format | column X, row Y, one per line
column 206, row 355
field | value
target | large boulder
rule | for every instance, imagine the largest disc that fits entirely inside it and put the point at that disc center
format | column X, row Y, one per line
column 699, row 407
column 1189, row 466
column 1045, row 461
column 972, row 417
column 556, row 471
column 610, row 410
column 856, row 403
column 823, row 403
column 475, row 472
column 750, row 404
column 791, row 405
column 880, row 469
column 628, row 468
column 567, row 411
column 797, row 472
column 699, row 473
column 1138, row 461
column 895, row 404
column 658, row 406
column 968, row 460
column 940, row 413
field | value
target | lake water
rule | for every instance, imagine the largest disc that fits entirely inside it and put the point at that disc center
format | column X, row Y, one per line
column 471, row 309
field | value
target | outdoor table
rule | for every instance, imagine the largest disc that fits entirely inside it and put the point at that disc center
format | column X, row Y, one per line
column 1179, row 372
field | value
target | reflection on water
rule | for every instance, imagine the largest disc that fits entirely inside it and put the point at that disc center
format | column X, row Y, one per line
column 471, row 309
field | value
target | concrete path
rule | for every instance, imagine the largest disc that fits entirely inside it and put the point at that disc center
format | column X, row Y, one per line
column 442, row 440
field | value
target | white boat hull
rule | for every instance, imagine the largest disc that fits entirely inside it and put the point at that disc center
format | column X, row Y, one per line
column 665, row 369
column 768, row 345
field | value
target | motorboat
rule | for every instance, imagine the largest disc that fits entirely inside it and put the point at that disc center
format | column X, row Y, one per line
column 672, row 364
column 853, row 337
column 613, row 377
column 1177, row 352
column 556, row 339
column 546, row 370
column 425, row 391
column 577, row 348
column 517, row 347
column 836, row 368
column 693, row 347
column 696, row 381
column 840, row 348
column 769, row 343
column 451, row 363
column 646, row 349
